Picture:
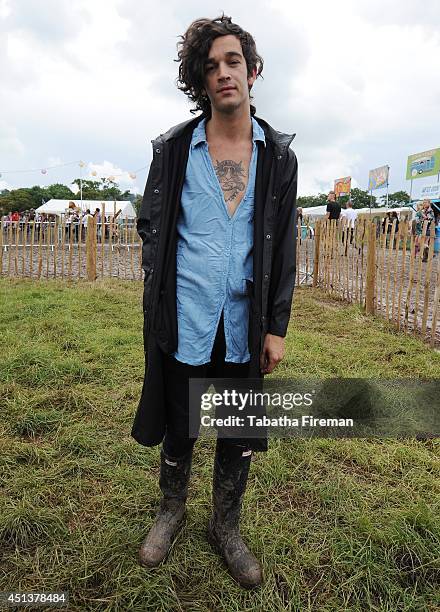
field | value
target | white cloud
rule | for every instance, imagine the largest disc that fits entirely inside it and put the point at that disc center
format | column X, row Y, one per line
column 49, row 22
column 363, row 83
column 107, row 170
column 9, row 140
column 5, row 185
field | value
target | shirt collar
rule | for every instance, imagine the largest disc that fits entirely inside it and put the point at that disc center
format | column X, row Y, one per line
column 199, row 133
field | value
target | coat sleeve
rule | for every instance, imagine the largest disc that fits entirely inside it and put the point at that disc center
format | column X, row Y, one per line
column 284, row 251
column 143, row 223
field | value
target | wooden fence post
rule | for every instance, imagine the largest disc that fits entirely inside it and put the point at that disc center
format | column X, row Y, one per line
column 91, row 248
column 436, row 303
column 316, row 256
column 428, row 278
column 370, row 289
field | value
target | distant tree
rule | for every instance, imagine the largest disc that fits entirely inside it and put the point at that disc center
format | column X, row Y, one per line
column 137, row 203
column 90, row 189
column 397, row 199
column 38, row 194
column 308, row 201
column 103, row 189
column 360, row 199
column 58, row 191
column 131, row 196
column 17, row 199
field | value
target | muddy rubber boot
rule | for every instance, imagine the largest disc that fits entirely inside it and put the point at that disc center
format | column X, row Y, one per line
column 173, row 482
column 231, row 469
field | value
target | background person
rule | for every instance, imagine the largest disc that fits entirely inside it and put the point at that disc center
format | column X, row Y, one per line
column 333, row 210
column 299, row 222
column 98, row 217
column 424, row 213
column 350, row 215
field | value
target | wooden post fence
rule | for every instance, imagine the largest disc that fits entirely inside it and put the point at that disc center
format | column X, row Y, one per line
column 370, row 290
column 91, row 249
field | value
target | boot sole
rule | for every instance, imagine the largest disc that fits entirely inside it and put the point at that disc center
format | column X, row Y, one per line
column 175, row 536
column 213, row 541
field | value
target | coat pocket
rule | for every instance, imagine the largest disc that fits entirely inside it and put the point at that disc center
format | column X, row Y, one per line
column 165, row 323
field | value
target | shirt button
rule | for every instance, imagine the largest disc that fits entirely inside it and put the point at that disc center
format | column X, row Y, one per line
column 266, row 276
column 153, row 231
column 280, row 156
column 156, row 191
column 268, row 236
column 157, row 150
column 274, row 197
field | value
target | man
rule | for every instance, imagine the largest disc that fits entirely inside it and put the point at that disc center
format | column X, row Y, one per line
column 350, row 214
column 333, row 210
column 218, row 227
column 299, row 222
column 98, row 217
column 15, row 218
column 85, row 221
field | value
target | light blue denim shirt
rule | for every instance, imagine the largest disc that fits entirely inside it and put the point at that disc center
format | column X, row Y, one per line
column 214, row 258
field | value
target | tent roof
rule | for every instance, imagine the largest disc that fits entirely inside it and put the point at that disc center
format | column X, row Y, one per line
column 59, row 207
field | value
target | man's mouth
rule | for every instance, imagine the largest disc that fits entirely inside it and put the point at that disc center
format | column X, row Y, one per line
column 223, row 89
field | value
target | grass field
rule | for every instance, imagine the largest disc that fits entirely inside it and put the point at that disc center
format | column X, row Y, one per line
column 338, row 524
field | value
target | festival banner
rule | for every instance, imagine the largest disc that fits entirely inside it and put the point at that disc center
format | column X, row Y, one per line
column 342, row 186
column 423, row 164
column 430, row 192
column 378, row 177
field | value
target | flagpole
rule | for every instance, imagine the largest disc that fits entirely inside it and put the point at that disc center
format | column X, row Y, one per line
column 388, row 183
column 81, row 166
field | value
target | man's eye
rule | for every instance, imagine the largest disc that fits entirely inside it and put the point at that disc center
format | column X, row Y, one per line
column 234, row 62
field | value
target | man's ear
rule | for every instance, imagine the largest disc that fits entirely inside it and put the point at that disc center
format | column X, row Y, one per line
column 252, row 78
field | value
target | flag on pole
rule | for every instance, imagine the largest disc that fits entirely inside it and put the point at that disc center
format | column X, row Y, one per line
column 378, row 177
column 342, row 186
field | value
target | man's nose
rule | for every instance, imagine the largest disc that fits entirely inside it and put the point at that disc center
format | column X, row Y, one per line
column 223, row 72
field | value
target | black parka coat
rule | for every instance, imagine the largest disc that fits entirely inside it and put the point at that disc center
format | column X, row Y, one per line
column 274, row 260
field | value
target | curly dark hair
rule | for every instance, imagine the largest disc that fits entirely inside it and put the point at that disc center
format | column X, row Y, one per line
column 193, row 50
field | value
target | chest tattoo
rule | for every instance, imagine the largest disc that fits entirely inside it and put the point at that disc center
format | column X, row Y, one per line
column 231, row 176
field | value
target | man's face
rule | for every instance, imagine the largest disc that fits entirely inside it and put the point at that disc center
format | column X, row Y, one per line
column 331, row 197
column 226, row 80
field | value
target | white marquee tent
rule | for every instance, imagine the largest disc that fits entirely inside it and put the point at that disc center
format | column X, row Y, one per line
column 60, row 207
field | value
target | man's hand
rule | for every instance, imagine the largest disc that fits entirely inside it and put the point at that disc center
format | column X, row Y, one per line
column 272, row 353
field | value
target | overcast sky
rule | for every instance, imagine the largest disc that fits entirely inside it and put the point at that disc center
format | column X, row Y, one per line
column 94, row 80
